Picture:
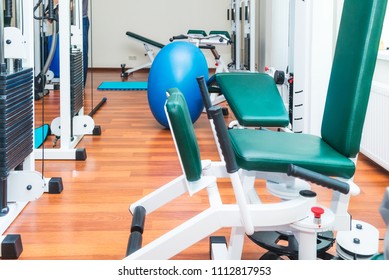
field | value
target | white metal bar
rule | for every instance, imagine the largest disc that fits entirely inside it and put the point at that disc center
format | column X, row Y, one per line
column 235, row 246
column 14, row 210
column 64, row 47
column 253, row 31
column 162, row 195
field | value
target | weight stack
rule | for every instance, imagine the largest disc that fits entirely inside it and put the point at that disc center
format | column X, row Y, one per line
column 16, row 123
column 77, row 82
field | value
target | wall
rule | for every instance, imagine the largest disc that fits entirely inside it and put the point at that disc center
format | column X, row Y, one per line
column 154, row 19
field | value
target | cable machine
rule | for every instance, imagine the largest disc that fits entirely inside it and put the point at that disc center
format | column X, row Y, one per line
column 241, row 14
column 72, row 124
column 19, row 182
column 282, row 42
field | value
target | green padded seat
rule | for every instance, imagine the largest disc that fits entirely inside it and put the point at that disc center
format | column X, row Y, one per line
column 264, row 150
column 254, row 99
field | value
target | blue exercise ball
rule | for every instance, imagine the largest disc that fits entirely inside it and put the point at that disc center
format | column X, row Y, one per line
column 177, row 65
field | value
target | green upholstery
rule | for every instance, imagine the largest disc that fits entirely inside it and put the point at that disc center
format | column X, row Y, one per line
column 351, row 75
column 197, row 32
column 345, row 108
column 220, row 32
column 348, row 94
column 184, row 135
column 254, row 99
column 264, row 150
column 144, row 39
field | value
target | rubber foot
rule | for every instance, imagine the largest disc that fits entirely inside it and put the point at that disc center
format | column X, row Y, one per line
column 55, row 185
column 97, row 130
column 11, row 247
column 216, row 240
column 81, row 154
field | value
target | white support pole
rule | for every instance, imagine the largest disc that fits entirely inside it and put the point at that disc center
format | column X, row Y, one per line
column 70, row 129
column 76, row 26
column 238, row 33
column 17, row 196
column 298, row 11
column 64, row 47
column 307, row 245
column 25, row 20
column 252, row 24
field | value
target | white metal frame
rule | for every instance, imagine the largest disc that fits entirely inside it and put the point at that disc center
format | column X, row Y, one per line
column 71, row 36
column 26, row 185
column 249, row 30
column 247, row 215
column 149, row 53
column 212, row 40
column 283, row 41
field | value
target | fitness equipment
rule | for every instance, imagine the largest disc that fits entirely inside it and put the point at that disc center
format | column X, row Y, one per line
column 209, row 42
column 264, row 109
column 72, row 124
column 361, row 243
column 243, row 35
column 176, row 65
column 253, row 98
column 263, row 153
column 266, row 151
column 243, row 217
column 291, row 92
column 20, row 183
column 47, row 13
column 147, row 44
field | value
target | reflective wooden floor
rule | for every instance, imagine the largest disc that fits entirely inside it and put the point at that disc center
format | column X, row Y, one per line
column 133, row 156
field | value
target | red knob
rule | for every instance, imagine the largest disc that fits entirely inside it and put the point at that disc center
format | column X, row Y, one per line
column 317, row 212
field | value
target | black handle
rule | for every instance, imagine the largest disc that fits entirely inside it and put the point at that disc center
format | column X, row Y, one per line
column 134, row 242
column 137, row 227
column 138, row 219
column 207, row 47
column 224, row 139
column 317, row 178
column 178, row 37
column 204, row 94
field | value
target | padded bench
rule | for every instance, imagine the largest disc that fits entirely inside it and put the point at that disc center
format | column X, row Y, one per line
column 253, row 97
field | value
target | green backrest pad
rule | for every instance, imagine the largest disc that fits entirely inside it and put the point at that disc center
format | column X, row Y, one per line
column 351, row 74
column 184, row 135
column 253, row 98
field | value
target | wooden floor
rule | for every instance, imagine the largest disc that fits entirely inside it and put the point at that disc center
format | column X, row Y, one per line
column 133, row 156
